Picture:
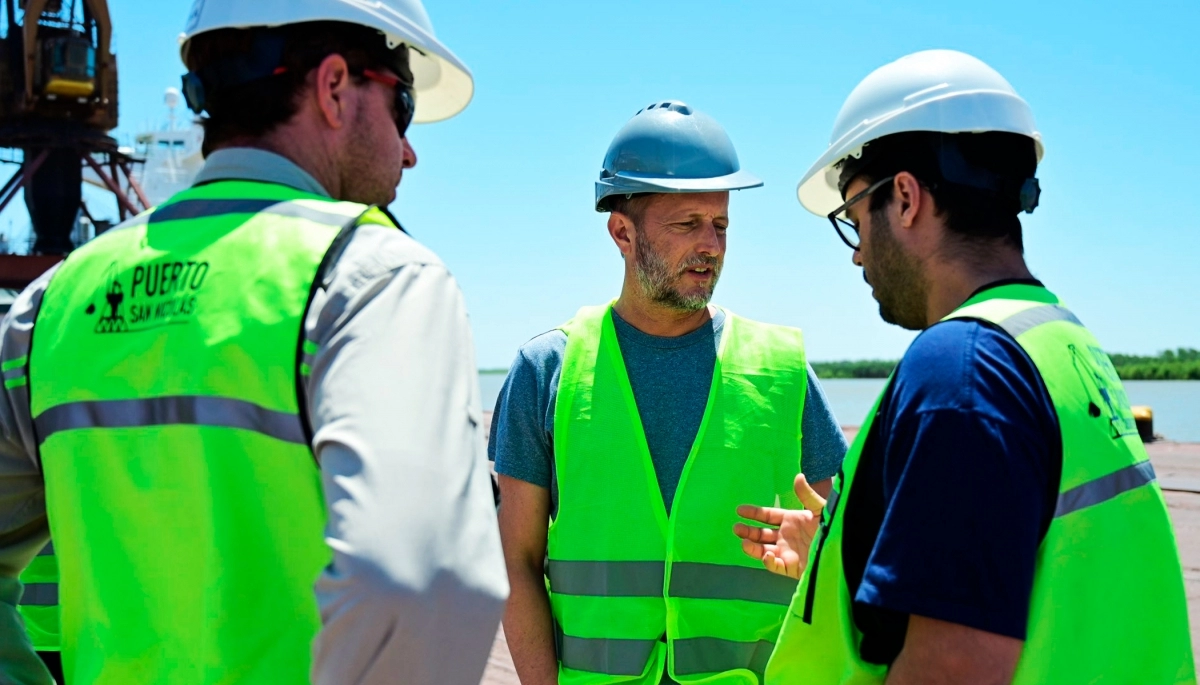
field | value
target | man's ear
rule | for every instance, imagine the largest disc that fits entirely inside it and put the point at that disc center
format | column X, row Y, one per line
column 331, row 86
column 622, row 230
column 908, row 198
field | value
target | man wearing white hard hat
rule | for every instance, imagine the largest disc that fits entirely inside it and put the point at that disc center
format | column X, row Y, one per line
column 638, row 427
column 996, row 519
column 262, row 385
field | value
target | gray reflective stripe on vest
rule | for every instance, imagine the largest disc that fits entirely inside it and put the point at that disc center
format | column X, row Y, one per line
column 604, row 655
column 1104, row 488
column 207, row 209
column 48, row 550
column 689, row 580
column 607, row 578
column 1023, row 322
column 196, row 410
column 40, row 595
column 714, row 655
column 695, row 580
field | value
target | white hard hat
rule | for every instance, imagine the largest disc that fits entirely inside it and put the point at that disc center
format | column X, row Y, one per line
column 941, row 91
column 442, row 83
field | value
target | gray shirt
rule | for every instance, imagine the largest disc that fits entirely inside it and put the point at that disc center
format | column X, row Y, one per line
column 417, row 583
column 670, row 378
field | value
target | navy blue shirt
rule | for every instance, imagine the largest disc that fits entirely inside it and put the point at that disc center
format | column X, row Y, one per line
column 954, row 491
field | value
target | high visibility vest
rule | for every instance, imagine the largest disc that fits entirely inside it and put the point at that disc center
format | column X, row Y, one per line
column 39, row 603
column 183, row 496
column 1108, row 603
column 635, row 592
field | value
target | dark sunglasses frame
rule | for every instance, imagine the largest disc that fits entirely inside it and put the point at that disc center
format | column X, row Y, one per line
column 405, row 104
column 840, row 223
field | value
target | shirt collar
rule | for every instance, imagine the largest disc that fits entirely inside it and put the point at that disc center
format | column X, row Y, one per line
column 253, row 164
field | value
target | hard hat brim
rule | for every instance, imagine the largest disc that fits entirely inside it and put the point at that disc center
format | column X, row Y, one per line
column 625, row 183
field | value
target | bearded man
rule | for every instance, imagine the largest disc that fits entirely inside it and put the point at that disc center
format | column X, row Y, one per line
column 625, row 439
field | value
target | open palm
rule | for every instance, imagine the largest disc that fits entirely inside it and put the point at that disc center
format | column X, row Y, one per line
column 782, row 548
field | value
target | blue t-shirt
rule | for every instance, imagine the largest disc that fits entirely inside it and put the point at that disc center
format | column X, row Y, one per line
column 670, row 377
column 954, row 491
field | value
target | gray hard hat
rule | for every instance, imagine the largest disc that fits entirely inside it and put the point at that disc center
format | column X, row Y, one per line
column 669, row 147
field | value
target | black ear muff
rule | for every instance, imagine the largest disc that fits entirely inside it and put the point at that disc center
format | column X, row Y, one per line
column 193, row 92
column 1031, row 192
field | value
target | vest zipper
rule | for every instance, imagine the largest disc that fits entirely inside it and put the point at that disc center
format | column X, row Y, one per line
column 810, row 592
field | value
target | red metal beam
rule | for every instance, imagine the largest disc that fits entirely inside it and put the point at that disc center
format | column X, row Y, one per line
column 122, row 201
column 18, row 179
column 137, row 188
column 18, row 271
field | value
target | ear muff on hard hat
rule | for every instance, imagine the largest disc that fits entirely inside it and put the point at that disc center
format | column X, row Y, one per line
column 1001, row 176
column 668, row 147
column 442, row 84
column 936, row 91
column 293, row 49
column 263, row 60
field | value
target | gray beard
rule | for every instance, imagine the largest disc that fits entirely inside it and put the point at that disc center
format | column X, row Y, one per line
column 658, row 283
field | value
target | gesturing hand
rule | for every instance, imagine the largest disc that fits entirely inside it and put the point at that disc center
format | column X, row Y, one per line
column 783, row 549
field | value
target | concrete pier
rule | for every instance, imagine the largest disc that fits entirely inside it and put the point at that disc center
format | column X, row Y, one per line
column 1178, row 467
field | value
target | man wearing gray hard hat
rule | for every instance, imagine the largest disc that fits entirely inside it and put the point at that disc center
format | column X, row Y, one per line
column 626, row 438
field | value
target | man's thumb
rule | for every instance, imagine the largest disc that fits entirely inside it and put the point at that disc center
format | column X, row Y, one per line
column 809, row 497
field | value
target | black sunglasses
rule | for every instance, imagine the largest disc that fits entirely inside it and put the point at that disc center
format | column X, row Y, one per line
column 846, row 228
column 405, row 100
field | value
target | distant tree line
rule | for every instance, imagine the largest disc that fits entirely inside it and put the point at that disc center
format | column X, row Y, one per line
column 872, row 368
column 1172, row 365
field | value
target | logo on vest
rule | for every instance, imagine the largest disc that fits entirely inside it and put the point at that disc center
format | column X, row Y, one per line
column 159, row 294
column 1114, row 403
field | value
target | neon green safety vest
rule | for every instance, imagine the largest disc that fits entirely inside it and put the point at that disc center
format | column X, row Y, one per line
column 183, row 497
column 1108, row 603
column 633, row 590
column 39, row 604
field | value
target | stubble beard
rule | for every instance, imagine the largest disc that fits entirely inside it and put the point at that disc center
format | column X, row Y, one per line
column 900, row 286
column 658, row 279
column 365, row 185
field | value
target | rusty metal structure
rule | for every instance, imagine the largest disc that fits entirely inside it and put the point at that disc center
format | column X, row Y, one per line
column 58, row 102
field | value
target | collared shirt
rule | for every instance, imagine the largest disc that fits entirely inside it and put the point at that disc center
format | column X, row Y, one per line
column 417, row 584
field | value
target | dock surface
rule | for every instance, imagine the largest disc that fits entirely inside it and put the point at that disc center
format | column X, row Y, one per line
column 1178, row 467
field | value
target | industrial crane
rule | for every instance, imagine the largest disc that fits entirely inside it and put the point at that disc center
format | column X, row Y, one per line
column 58, row 103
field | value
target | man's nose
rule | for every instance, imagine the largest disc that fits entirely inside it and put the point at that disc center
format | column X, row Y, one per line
column 857, row 258
column 711, row 243
column 408, row 159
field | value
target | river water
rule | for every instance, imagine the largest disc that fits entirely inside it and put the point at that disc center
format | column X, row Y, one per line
column 1176, row 404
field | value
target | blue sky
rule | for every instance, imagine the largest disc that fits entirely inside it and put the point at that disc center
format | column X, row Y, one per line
column 504, row 191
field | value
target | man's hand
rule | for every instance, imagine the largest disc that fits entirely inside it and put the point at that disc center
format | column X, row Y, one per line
column 784, row 548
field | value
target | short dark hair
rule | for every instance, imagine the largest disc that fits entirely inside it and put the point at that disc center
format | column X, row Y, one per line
column 972, row 213
column 631, row 205
column 257, row 107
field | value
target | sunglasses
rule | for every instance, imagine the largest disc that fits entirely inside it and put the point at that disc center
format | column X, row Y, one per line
column 405, row 104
